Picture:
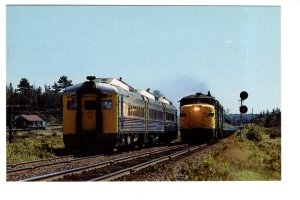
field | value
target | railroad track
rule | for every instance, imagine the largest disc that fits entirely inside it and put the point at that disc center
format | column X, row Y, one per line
column 130, row 170
column 116, row 168
column 37, row 163
column 25, row 170
column 36, row 168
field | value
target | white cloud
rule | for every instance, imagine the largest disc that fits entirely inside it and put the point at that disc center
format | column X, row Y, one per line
column 228, row 41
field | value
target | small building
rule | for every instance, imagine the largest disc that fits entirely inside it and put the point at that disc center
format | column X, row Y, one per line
column 29, row 122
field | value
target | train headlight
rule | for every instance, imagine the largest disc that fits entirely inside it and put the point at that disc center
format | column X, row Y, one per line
column 197, row 109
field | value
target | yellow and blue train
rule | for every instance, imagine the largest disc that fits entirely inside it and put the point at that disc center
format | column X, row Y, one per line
column 104, row 113
column 202, row 119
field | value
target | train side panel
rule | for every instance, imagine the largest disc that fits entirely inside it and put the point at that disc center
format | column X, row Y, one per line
column 110, row 114
column 69, row 114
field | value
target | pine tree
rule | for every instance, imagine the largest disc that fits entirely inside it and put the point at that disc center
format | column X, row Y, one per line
column 61, row 84
column 24, row 87
column 9, row 94
column 24, row 92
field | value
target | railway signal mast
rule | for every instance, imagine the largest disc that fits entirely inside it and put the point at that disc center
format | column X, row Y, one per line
column 243, row 109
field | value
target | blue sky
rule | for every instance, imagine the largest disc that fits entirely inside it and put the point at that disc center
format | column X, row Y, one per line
column 178, row 50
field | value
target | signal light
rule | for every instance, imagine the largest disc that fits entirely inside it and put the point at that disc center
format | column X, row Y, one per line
column 196, row 109
column 243, row 109
column 244, row 95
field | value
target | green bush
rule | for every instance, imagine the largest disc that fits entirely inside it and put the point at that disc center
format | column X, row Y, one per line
column 274, row 132
column 26, row 150
column 254, row 133
column 33, row 147
column 209, row 169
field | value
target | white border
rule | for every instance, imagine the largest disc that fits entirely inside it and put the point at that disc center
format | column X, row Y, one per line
column 183, row 190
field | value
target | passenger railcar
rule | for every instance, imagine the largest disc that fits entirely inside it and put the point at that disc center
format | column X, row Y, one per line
column 201, row 119
column 103, row 113
column 229, row 125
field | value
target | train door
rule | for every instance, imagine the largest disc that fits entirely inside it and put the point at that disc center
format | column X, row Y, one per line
column 121, row 114
column 146, row 118
column 89, row 105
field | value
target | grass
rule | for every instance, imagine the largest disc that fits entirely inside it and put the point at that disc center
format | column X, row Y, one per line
column 34, row 145
column 249, row 159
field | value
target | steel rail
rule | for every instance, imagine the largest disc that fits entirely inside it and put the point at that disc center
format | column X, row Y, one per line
column 56, row 175
column 130, row 170
column 49, row 164
column 37, row 161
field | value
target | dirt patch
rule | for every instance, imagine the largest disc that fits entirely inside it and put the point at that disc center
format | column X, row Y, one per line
column 233, row 152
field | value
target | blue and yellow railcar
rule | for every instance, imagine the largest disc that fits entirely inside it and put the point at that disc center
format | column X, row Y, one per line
column 106, row 113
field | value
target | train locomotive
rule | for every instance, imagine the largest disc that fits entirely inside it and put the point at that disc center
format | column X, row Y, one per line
column 202, row 119
column 107, row 113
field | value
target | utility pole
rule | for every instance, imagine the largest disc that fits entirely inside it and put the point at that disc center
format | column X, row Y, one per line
column 241, row 122
column 11, row 109
column 252, row 118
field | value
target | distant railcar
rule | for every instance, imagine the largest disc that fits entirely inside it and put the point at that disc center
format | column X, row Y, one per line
column 201, row 119
column 104, row 113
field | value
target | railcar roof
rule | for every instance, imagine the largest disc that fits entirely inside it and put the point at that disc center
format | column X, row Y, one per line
column 113, row 85
column 105, row 88
column 195, row 96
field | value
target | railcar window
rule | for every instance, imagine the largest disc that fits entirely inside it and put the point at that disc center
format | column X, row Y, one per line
column 72, row 105
column 160, row 115
column 143, row 112
column 133, row 111
column 106, row 104
column 129, row 110
column 90, row 105
column 152, row 114
column 170, row 117
column 156, row 114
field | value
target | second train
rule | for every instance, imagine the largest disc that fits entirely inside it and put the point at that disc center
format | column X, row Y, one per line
column 202, row 119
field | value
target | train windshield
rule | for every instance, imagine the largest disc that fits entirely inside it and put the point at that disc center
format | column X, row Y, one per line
column 196, row 100
column 90, row 105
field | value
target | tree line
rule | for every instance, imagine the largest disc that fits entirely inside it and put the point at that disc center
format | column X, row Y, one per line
column 35, row 98
column 269, row 119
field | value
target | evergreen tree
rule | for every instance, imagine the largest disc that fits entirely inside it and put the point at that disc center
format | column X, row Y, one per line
column 64, row 82
column 9, row 94
column 268, row 119
column 56, row 87
column 24, row 87
column 24, row 92
column 50, row 98
column 61, row 84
